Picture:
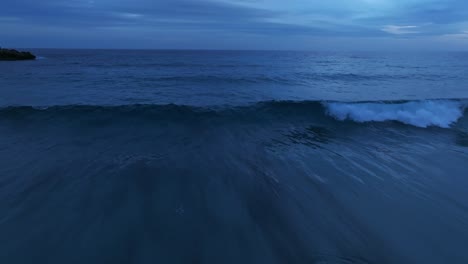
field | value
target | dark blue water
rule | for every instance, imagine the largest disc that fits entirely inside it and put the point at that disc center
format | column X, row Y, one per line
column 234, row 157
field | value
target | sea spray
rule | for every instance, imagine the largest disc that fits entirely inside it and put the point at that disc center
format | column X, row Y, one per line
column 441, row 113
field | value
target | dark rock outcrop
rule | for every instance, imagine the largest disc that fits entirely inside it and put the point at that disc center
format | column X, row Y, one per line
column 11, row 55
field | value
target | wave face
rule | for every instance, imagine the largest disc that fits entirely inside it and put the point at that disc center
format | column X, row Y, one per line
column 439, row 113
column 282, row 182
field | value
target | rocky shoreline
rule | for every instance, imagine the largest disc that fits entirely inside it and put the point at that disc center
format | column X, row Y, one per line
column 13, row 55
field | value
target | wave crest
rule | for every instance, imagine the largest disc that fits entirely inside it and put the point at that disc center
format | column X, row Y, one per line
column 441, row 113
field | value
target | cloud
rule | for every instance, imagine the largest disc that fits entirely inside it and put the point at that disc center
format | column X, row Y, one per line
column 400, row 30
column 458, row 36
column 250, row 20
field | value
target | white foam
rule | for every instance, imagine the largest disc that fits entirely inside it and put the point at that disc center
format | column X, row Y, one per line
column 441, row 113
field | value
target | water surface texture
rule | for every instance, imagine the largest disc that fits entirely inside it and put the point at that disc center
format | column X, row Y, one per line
column 234, row 157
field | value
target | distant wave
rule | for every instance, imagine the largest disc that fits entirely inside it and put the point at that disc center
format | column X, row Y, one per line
column 300, row 79
column 426, row 113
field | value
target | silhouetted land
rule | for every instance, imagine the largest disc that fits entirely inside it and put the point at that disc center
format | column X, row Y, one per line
column 12, row 55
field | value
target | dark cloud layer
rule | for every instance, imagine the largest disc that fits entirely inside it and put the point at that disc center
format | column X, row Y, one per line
column 264, row 23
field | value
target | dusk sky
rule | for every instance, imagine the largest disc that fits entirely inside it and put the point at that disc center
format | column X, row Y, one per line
column 241, row 24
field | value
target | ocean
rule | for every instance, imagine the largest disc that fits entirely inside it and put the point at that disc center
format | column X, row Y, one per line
column 125, row 156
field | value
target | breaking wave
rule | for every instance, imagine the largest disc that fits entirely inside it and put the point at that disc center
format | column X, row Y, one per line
column 441, row 113
column 427, row 113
